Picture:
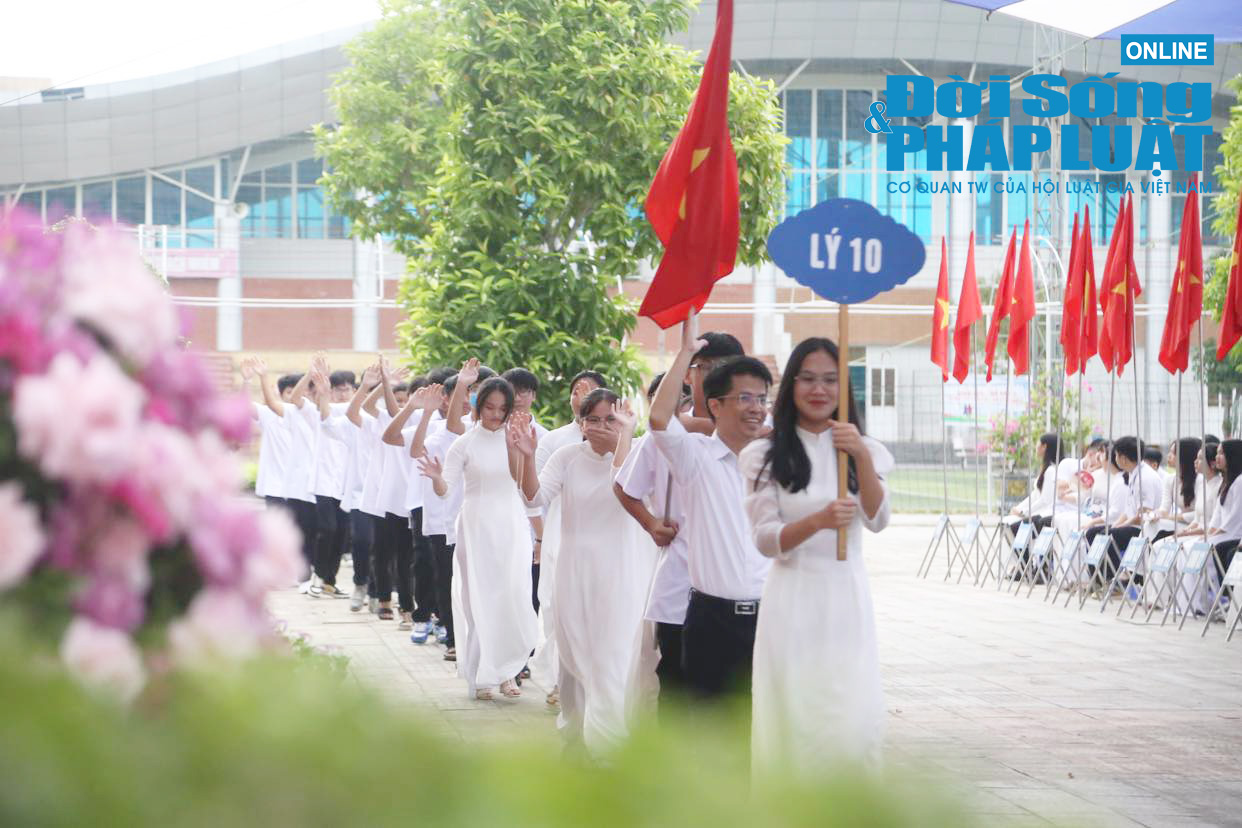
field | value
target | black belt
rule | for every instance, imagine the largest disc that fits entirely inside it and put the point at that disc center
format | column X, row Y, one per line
column 737, row 607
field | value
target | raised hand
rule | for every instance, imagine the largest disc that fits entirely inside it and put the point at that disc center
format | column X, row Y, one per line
column 626, row 419
column 248, row 369
column 371, row 376
column 469, row 373
column 521, row 434
column 400, row 374
column 430, row 468
column 428, row 397
column 319, row 363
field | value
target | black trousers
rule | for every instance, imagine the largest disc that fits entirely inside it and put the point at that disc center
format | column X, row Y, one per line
column 672, row 679
column 275, row 502
column 421, row 570
column 361, row 540
column 331, row 528
column 306, row 519
column 390, row 562
column 442, row 567
column 534, row 585
column 718, row 642
column 1226, row 550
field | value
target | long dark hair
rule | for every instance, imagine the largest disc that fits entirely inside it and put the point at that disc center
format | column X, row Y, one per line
column 791, row 468
column 494, row 385
column 1233, row 464
column 1187, row 451
column 1052, row 454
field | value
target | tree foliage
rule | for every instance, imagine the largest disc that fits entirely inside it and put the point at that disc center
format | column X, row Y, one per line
column 507, row 148
column 1225, row 205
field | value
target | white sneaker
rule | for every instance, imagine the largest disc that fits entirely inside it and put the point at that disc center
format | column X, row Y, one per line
column 373, row 605
column 407, row 621
column 304, row 587
column 316, row 586
column 358, row 598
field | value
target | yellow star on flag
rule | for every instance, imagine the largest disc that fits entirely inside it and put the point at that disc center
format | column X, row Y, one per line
column 943, row 304
column 697, row 158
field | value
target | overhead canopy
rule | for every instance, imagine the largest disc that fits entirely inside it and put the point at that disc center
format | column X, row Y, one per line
column 1114, row 18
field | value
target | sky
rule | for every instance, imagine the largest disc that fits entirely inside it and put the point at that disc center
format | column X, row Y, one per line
column 83, row 42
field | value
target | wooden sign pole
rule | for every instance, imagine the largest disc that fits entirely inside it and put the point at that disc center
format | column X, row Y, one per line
column 843, row 409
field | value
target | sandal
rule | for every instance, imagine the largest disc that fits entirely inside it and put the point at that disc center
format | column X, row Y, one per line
column 385, row 613
column 483, row 694
column 450, row 654
column 554, row 698
column 508, row 688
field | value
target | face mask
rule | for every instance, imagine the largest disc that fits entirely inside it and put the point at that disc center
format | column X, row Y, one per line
column 474, row 399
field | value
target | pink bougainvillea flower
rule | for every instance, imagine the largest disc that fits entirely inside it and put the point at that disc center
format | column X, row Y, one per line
column 221, row 623
column 222, row 537
column 77, row 421
column 111, row 602
column 21, row 537
column 119, row 549
column 103, row 657
column 277, row 562
column 107, row 287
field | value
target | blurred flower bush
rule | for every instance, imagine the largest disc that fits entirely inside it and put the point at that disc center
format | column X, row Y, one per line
column 123, row 535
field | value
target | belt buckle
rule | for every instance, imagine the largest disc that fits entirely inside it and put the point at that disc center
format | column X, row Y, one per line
column 745, row 607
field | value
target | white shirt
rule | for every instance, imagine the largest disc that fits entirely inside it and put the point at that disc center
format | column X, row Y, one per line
column 1229, row 516
column 275, row 442
column 1046, row 494
column 414, row 480
column 332, row 456
column 645, row 475
column 357, row 455
column 300, row 470
column 723, row 560
column 371, row 434
column 1206, row 501
column 439, row 513
column 1146, row 490
column 394, row 484
column 550, row 441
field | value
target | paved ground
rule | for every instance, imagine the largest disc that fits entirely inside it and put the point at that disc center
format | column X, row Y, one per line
column 1041, row 714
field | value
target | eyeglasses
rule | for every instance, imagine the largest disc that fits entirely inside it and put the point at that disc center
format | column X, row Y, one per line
column 598, row 421
column 827, row 380
column 704, row 364
column 748, row 400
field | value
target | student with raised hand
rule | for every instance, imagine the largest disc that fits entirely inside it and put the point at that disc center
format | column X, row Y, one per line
column 645, row 489
column 348, row 428
column 328, row 476
column 275, row 439
column 727, row 571
column 547, row 544
column 603, row 570
column 817, row 695
column 493, row 549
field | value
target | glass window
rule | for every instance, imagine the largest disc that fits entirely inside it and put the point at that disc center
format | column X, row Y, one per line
column 989, row 210
column 32, row 200
column 131, row 200
column 920, row 209
column 200, row 221
column 97, row 201
column 277, row 212
column 798, row 127
column 797, row 193
column 827, row 185
column 202, row 179
column 856, row 186
column 166, row 202
column 1018, row 205
column 252, row 196
column 828, row 106
column 61, row 202
column 310, row 213
column 310, row 171
column 280, row 174
column 891, row 204
column 1109, row 205
column 338, row 226
column 857, row 139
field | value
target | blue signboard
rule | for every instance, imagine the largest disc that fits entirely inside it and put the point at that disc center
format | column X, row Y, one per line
column 845, row 250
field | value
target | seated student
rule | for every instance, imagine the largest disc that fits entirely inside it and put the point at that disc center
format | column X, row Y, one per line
column 1042, row 503
column 1227, row 529
column 1143, row 495
column 1177, row 504
column 1207, row 490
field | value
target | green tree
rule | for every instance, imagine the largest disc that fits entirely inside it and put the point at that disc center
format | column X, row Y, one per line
column 1225, row 205
column 507, row 148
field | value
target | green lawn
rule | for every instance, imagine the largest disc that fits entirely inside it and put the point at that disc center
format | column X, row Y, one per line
column 921, row 489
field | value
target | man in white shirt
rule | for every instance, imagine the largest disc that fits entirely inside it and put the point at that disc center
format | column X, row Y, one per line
column 274, row 438
column 727, row 572
column 645, row 487
column 331, row 459
column 1144, row 491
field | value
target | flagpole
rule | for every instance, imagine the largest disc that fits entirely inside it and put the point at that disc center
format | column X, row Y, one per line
column 1000, row 557
column 1203, row 418
column 690, row 333
column 843, row 409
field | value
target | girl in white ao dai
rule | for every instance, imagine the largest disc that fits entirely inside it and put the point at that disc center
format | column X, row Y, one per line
column 816, row 689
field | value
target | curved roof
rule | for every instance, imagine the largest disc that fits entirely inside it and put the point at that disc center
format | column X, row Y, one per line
column 171, row 119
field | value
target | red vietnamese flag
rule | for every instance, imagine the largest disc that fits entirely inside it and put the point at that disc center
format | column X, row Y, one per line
column 1071, row 302
column 1117, row 294
column 1231, row 318
column 969, row 311
column 1089, row 323
column 1105, row 337
column 693, row 201
column 940, row 317
column 1023, row 310
column 1000, row 305
column 1186, row 295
